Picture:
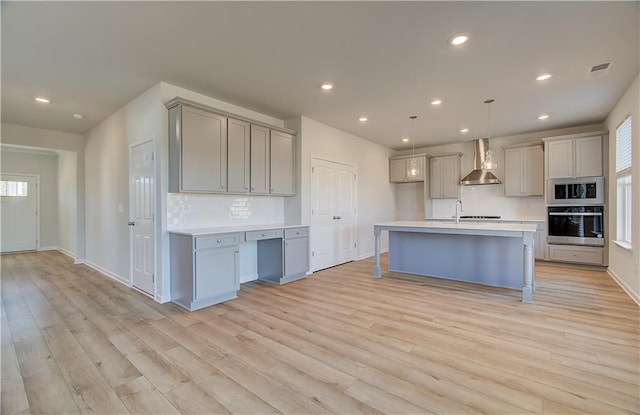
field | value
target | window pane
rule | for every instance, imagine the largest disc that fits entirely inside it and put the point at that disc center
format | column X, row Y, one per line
column 623, row 147
column 9, row 188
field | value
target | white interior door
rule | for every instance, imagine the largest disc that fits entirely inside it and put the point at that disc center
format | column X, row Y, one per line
column 19, row 204
column 333, row 213
column 142, row 215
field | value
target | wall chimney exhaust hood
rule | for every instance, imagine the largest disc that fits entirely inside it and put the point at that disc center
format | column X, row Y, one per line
column 479, row 175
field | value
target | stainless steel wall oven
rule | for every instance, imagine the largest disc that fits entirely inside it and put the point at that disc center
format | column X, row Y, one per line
column 576, row 225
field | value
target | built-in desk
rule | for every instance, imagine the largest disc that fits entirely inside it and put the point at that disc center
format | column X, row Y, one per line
column 205, row 262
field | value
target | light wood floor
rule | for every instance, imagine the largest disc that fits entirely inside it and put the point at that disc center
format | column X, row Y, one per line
column 339, row 341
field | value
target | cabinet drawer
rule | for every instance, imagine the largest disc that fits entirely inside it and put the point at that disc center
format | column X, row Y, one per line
column 259, row 235
column 578, row 254
column 296, row 233
column 217, row 241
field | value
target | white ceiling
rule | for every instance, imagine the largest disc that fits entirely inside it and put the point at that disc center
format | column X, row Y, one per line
column 388, row 60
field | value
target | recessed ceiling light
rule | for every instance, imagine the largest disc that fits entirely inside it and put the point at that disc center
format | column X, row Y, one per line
column 436, row 102
column 544, row 76
column 78, row 116
column 543, row 116
column 327, row 86
column 405, row 139
column 464, row 130
column 43, row 100
column 459, row 39
column 363, row 119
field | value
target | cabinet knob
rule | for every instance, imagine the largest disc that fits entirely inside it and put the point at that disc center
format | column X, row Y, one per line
column 271, row 190
column 219, row 241
column 222, row 187
column 253, row 188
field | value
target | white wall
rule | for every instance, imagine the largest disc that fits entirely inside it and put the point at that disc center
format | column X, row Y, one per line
column 46, row 166
column 623, row 264
column 485, row 199
column 107, row 182
column 67, row 197
column 55, row 140
column 375, row 193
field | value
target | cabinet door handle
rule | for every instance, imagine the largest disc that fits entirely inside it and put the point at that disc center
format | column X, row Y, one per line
column 131, row 224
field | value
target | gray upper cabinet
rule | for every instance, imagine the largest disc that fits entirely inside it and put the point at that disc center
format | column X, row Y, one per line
column 574, row 156
column 399, row 169
column 198, row 150
column 524, row 171
column 238, row 138
column 260, row 159
column 282, row 164
column 445, row 177
column 211, row 151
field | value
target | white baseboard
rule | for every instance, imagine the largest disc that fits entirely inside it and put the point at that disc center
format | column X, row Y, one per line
column 78, row 261
column 248, row 278
column 48, row 248
column 163, row 298
column 107, row 273
column 370, row 254
column 67, row 253
column 634, row 296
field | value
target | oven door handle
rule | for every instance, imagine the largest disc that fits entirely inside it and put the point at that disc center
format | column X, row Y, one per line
column 575, row 213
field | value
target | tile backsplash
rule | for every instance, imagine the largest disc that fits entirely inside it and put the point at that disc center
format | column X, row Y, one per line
column 490, row 200
column 204, row 211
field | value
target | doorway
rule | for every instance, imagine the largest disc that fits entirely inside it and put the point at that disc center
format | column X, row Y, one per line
column 142, row 216
column 19, row 198
column 333, row 230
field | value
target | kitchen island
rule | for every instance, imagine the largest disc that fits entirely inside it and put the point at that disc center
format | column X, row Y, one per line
column 496, row 254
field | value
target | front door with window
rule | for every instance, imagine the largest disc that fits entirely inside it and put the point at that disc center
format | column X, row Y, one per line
column 19, row 198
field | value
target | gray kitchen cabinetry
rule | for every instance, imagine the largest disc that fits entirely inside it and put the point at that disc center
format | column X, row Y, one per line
column 204, row 269
column 197, row 150
column 524, row 171
column 282, row 151
column 399, row 166
column 238, row 138
column 284, row 256
column 211, row 151
column 260, row 159
column 445, row 177
column 574, row 156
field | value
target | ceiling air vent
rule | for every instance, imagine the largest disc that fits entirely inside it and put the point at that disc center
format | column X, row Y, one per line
column 597, row 71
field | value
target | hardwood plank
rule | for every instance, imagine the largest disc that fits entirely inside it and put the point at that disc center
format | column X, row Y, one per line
column 339, row 341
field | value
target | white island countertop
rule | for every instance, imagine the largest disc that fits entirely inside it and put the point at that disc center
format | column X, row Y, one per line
column 468, row 228
column 229, row 229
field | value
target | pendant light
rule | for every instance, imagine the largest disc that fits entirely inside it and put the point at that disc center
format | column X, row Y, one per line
column 413, row 167
column 488, row 163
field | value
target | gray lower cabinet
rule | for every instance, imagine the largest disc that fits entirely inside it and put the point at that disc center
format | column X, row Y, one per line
column 296, row 253
column 204, row 269
column 284, row 260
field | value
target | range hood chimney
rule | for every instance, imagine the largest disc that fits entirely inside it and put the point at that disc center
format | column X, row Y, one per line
column 479, row 175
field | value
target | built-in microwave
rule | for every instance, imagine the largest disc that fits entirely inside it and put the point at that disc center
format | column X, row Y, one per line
column 578, row 191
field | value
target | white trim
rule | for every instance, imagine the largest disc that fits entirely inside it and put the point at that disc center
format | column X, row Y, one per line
column 67, row 253
column 162, row 299
column 48, row 248
column 634, row 296
column 371, row 254
column 109, row 274
column 624, row 245
column 249, row 278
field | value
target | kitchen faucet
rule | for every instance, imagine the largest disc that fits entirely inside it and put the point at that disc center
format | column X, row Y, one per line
column 458, row 202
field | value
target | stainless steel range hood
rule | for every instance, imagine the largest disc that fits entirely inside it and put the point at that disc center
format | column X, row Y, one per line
column 478, row 175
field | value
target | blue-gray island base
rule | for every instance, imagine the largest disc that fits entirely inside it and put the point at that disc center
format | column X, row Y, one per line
column 496, row 254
